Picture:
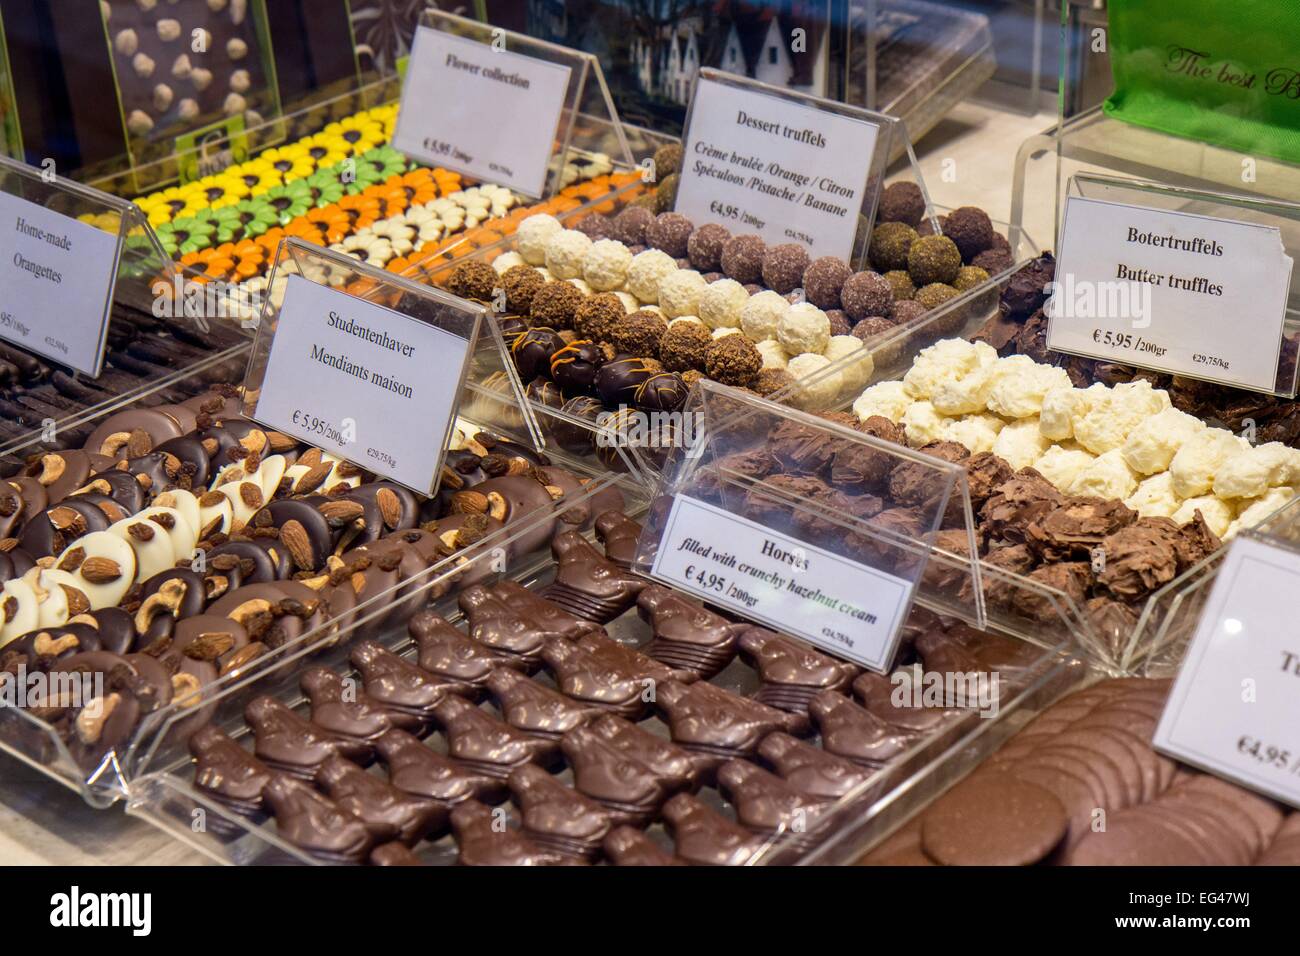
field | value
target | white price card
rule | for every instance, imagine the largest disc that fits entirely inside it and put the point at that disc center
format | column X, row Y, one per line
column 785, row 170
column 1234, row 709
column 481, row 110
column 58, row 278
column 363, row 382
column 1170, row 291
column 848, row 608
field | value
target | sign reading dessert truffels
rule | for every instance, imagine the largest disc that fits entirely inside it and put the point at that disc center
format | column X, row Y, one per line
column 363, row 382
column 58, row 276
column 1173, row 292
column 1234, row 709
column 786, row 167
column 481, row 109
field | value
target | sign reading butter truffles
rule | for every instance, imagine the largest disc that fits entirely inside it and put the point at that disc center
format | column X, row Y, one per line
column 798, row 588
column 1170, row 291
column 786, row 171
column 58, row 277
column 1235, row 706
column 363, row 382
column 485, row 112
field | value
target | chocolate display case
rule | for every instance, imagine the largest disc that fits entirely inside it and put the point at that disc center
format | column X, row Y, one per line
column 11, row 143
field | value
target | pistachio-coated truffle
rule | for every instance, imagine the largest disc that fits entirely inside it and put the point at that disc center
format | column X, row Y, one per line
column 474, row 280
column 666, row 193
column 901, row 202
column 704, row 248
column 783, row 267
column 823, row 280
column 866, row 293
column 732, row 360
column 968, row 277
column 683, row 346
column 933, row 259
column 971, row 229
column 640, row 334
column 668, row 160
column 554, row 304
column 597, row 315
column 742, row 259
column 934, row 295
column 890, row 244
column 644, row 202
column 901, row 284
column 670, row 232
column 521, row 284
column 629, row 226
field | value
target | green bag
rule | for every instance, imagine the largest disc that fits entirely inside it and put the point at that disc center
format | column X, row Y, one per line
column 1226, row 73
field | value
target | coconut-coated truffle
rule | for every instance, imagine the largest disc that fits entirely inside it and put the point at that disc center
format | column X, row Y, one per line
column 554, row 304
column 629, row 226
column 742, row 258
column 565, row 252
column 704, row 248
column 671, row 232
column 901, row 284
column 594, row 227
column 909, row 310
column 761, row 315
column 890, row 244
column 521, row 284
column 666, row 193
column 679, row 293
column 597, row 315
column 533, row 234
column 722, row 303
column 474, row 280
column 933, row 259
column 783, row 267
column 840, row 324
column 876, row 327
column 683, row 346
column 934, row 295
column 901, row 202
column 605, row 265
column 866, row 293
column 968, row 277
column 647, row 270
column 823, row 280
column 971, row 229
column 668, row 160
column 732, row 360
column 804, row 328
column 640, row 334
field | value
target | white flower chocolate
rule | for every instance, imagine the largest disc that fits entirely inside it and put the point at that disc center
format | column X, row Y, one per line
column 1252, row 473
column 1216, row 512
column 945, row 361
column 1154, row 497
column 924, row 424
column 1106, row 476
column 976, row 432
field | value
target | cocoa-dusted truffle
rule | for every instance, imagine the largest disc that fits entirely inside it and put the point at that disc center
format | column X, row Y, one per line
column 474, row 280
column 521, row 283
column 971, row 229
column 732, row 360
column 934, row 295
column 840, row 324
column 597, row 315
column 629, row 226
column 901, row 284
column 783, row 267
column 1071, row 577
column 993, row 261
column 742, row 258
column 668, row 160
column 901, row 202
column 640, row 333
column 890, row 244
column 933, row 259
column 1077, row 526
column 769, row 381
column 985, row 472
column 705, row 246
column 666, row 193
column 1139, row 558
column 683, row 346
column 671, row 233
column 968, row 277
column 866, row 294
column 554, row 304
column 823, row 280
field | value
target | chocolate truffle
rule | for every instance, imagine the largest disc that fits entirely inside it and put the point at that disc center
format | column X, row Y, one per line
column 993, row 261
column 742, row 258
column 866, row 294
column 671, row 233
column 473, row 280
column 823, row 280
column 574, row 367
column 890, row 244
column 666, row 193
column 668, row 160
column 909, row 310
column 769, row 381
column 554, row 304
column 629, row 226
column 901, row 202
column 933, row 259
column 732, row 360
column 926, row 226
column 875, row 327
column 705, row 246
column 532, row 352
column 783, row 267
column 691, row 376
column 661, row 392
column 597, row 315
column 683, row 346
column 968, row 277
column 595, row 227
column 617, row 381
column 934, row 295
column 521, row 283
column 1026, row 290
column 639, row 333
column 971, row 229
column 901, row 284
column 840, row 324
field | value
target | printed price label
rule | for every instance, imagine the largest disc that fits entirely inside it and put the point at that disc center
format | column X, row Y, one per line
column 58, row 281
column 486, row 112
column 1170, row 291
column 787, row 171
column 354, row 378
column 1235, row 706
column 845, row 607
